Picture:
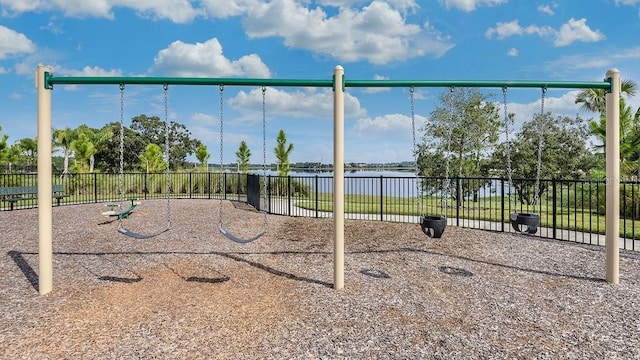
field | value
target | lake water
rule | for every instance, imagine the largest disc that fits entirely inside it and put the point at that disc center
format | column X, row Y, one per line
column 389, row 183
column 370, row 182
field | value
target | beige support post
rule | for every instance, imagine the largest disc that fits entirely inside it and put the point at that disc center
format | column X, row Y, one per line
column 45, row 199
column 338, row 178
column 612, row 151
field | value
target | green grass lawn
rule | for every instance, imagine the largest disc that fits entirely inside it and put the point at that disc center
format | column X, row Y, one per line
column 489, row 209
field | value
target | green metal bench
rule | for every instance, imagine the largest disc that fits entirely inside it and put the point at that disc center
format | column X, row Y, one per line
column 13, row 194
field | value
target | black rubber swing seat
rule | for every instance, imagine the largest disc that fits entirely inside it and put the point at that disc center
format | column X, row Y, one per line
column 433, row 226
column 237, row 239
column 136, row 235
column 525, row 223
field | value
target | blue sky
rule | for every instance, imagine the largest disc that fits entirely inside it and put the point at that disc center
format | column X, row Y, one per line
column 304, row 39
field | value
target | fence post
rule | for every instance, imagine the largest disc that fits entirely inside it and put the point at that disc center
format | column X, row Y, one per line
column 381, row 198
column 208, row 184
column 269, row 191
column 458, row 200
column 146, row 186
column 190, row 184
column 95, row 187
column 554, row 209
column 502, row 204
column 224, row 185
column 289, row 195
column 316, row 195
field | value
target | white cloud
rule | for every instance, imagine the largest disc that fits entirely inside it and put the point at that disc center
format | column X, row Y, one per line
column 562, row 105
column 305, row 103
column 570, row 32
column 512, row 52
column 178, row 11
column 21, row 6
column 470, row 5
column 376, row 33
column 545, row 9
column 53, row 28
column 397, row 125
column 628, row 53
column 628, row 2
column 506, row 29
column 3, row 70
column 86, row 71
column 373, row 90
column 228, row 8
column 14, row 43
column 207, row 128
column 206, row 59
column 576, row 30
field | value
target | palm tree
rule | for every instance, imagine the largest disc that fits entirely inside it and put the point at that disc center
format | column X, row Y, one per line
column 63, row 139
column 151, row 160
column 98, row 138
column 629, row 137
column 84, row 150
column 593, row 100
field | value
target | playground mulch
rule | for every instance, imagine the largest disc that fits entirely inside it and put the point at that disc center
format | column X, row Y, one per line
column 190, row 293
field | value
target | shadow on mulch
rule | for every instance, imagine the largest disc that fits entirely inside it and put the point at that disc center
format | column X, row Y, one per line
column 32, row 276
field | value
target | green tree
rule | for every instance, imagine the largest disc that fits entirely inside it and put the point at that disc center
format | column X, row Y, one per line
column 151, row 160
column 457, row 137
column 203, row 156
column 62, row 138
column 96, row 138
column 593, row 100
column 152, row 131
column 29, row 150
column 243, row 155
column 84, row 150
column 565, row 153
column 3, row 147
column 282, row 152
column 12, row 156
column 629, row 138
column 107, row 157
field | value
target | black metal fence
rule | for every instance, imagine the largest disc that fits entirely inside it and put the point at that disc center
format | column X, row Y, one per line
column 571, row 210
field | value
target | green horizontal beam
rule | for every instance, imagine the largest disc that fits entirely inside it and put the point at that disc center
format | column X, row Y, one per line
column 51, row 80
column 606, row 84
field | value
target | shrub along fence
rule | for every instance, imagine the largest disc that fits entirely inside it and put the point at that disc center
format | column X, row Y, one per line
column 569, row 209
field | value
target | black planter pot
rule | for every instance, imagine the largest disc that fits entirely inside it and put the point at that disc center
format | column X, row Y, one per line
column 525, row 223
column 433, row 226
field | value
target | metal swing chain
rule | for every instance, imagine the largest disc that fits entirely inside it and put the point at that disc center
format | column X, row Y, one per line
column 508, row 144
column 264, row 151
column 220, row 182
column 447, row 181
column 415, row 150
column 536, row 195
column 165, row 88
column 121, row 173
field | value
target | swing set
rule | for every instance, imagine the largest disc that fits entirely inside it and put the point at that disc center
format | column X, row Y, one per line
column 45, row 81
